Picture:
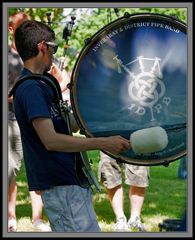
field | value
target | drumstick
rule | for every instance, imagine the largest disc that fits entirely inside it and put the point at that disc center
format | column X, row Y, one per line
column 149, row 140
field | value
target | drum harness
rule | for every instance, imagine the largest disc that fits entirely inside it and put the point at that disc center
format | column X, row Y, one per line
column 65, row 111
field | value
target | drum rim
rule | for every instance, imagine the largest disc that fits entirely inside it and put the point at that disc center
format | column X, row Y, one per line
column 74, row 103
column 151, row 162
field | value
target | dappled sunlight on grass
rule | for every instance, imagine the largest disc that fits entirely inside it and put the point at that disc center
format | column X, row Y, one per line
column 21, row 194
column 23, row 197
column 98, row 198
column 105, row 227
column 152, row 205
column 151, row 223
column 177, row 195
column 24, row 225
column 22, row 202
column 165, row 199
column 22, row 184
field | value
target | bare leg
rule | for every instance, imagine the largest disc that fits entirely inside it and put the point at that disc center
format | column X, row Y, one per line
column 12, row 192
column 37, row 213
column 37, row 206
column 136, row 197
column 116, row 199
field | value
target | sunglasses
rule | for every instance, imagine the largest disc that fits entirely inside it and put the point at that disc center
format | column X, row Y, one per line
column 53, row 45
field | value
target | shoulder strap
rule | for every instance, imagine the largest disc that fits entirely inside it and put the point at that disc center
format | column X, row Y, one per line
column 46, row 78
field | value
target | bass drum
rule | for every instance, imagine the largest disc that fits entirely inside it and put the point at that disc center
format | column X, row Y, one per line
column 131, row 75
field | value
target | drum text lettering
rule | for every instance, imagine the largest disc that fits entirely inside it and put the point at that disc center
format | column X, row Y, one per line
column 105, row 39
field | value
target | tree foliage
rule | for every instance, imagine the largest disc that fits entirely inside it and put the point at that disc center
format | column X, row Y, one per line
column 87, row 23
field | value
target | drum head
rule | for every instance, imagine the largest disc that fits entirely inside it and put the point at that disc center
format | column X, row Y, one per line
column 131, row 75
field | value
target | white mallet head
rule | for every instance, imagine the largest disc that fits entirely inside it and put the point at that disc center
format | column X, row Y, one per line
column 149, row 140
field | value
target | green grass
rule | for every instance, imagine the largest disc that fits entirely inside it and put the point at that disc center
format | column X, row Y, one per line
column 165, row 198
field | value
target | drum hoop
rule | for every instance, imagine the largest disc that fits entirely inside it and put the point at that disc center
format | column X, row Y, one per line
column 83, row 128
column 154, row 162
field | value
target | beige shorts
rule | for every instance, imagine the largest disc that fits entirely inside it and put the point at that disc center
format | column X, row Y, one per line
column 110, row 173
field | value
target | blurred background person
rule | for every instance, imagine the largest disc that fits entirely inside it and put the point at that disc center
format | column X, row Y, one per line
column 137, row 177
column 15, row 156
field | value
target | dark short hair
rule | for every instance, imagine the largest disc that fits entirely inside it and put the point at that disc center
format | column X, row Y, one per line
column 28, row 35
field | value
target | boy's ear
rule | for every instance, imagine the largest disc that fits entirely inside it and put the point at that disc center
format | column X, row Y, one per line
column 11, row 29
column 41, row 46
